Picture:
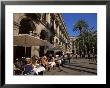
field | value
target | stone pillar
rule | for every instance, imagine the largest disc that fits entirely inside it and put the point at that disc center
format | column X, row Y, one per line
column 54, row 25
column 48, row 17
column 58, row 30
column 54, row 41
column 35, row 51
column 15, row 30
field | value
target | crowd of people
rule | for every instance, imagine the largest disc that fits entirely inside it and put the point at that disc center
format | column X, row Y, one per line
column 26, row 66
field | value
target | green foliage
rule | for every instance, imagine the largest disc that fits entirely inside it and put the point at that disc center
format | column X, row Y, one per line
column 80, row 24
column 87, row 40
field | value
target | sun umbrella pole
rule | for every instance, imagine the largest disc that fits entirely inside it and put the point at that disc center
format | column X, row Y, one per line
column 25, row 51
column 25, row 47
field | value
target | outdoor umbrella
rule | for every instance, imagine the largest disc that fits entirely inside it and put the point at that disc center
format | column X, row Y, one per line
column 27, row 40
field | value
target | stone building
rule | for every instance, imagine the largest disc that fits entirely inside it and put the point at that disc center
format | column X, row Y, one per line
column 45, row 26
column 74, row 48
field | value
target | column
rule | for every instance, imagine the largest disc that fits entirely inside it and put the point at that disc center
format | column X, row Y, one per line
column 54, row 25
column 58, row 30
column 48, row 17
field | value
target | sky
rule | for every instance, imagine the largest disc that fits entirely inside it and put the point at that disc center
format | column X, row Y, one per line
column 71, row 18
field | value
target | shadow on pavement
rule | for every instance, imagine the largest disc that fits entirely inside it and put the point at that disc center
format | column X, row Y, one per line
column 81, row 66
column 63, row 71
column 72, row 68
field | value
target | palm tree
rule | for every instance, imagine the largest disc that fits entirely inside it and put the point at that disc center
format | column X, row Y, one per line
column 80, row 25
column 87, row 40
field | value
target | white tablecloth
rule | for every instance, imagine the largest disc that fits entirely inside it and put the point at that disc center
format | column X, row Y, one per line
column 52, row 63
column 39, row 69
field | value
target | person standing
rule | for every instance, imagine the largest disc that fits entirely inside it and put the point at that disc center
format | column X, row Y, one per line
column 58, row 62
column 62, row 61
column 76, row 55
column 69, row 58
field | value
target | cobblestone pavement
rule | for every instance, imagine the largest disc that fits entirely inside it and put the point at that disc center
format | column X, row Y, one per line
column 76, row 67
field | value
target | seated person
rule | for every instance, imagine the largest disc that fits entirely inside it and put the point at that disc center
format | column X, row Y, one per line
column 18, row 67
column 36, row 64
column 38, row 68
column 58, row 62
column 52, row 64
column 28, row 68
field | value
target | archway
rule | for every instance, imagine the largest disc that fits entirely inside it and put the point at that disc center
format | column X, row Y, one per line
column 56, row 40
column 43, row 35
column 26, row 25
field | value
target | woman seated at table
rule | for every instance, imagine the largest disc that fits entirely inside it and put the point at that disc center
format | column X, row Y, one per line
column 36, row 64
column 39, row 69
column 44, row 61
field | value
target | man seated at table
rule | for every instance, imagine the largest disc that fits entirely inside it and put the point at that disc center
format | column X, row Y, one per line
column 18, row 66
column 28, row 68
column 52, row 64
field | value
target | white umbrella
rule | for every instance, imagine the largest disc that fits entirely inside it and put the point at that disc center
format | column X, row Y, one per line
column 27, row 40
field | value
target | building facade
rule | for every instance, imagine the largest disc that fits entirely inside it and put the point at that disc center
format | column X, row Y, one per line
column 74, row 48
column 45, row 26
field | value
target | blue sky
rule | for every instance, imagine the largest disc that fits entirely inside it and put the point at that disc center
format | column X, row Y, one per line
column 71, row 18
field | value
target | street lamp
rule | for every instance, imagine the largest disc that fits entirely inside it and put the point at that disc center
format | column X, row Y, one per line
column 93, row 51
